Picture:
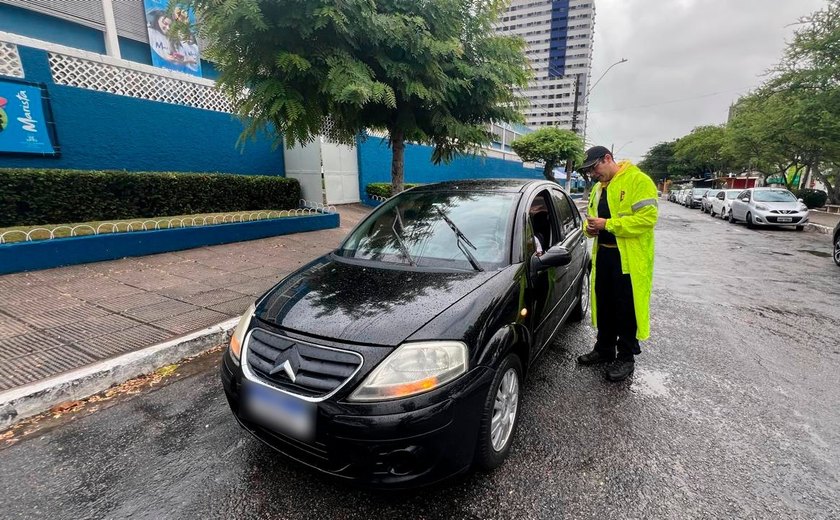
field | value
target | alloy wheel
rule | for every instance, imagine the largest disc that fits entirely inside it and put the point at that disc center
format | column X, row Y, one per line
column 584, row 293
column 504, row 410
column 837, row 251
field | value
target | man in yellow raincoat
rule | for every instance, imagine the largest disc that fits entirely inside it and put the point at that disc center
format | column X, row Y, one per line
column 623, row 209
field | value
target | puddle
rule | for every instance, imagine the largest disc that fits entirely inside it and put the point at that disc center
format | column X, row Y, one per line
column 821, row 254
column 650, row 382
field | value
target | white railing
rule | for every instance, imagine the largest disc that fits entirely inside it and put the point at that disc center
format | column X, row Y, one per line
column 126, row 226
column 10, row 60
column 88, row 70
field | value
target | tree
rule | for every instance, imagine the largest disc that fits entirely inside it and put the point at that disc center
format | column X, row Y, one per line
column 551, row 146
column 704, row 150
column 431, row 72
column 809, row 74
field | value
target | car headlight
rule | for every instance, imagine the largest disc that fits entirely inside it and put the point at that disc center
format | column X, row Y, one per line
column 238, row 336
column 412, row 369
column 761, row 207
column 803, row 207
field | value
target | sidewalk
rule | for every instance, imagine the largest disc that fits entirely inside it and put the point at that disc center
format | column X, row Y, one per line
column 62, row 319
column 824, row 219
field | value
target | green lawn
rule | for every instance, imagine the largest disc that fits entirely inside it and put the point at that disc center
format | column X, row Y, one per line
column 121, row 226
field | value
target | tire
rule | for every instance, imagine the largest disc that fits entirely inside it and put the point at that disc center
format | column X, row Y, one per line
column 712, row 213
column 731, row 217
column 750, row 223
column 487, row 456
column 837, row 250
column 579, row 312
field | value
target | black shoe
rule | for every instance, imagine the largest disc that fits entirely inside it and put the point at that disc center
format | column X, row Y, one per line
column 593, row 358
column 620, row 370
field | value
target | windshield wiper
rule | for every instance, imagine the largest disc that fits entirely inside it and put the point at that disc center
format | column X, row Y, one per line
column 461, row 240
column 403, row 248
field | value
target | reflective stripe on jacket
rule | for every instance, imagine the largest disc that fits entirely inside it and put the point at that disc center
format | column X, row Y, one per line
column 634, row 209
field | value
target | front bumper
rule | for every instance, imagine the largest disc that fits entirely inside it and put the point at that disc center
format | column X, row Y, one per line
column 405, row 443
column 768, row 218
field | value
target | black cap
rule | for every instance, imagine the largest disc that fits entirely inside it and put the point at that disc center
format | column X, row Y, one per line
column 593, row 155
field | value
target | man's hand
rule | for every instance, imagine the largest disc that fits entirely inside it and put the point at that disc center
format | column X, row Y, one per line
column 594, row 225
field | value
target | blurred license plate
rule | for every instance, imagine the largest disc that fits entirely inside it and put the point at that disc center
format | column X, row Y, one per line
column 785, row 219
column 280, row 412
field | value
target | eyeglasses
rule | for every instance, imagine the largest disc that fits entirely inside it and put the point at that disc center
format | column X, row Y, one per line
column 589, row 169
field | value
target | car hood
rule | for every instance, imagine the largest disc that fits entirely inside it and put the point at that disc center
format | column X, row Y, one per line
column 780, row 205
column 363, row 303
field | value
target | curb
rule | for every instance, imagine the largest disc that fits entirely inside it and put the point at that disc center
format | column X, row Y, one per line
column 817, row 228
column 28, row 400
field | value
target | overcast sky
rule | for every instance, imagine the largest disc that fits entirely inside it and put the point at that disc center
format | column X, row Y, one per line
column 708, row 50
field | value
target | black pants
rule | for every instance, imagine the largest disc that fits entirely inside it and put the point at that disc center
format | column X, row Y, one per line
column 616, row 313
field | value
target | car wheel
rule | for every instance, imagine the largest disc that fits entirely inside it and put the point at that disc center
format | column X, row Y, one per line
column 579, row 312
column 750, row 223
column 712, row 212
column 501, row 415
column 731, row 217
column 837, row 250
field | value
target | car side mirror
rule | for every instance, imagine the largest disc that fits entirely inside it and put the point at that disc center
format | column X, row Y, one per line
column 802, row 201
column 557, row 256
column 745, row 199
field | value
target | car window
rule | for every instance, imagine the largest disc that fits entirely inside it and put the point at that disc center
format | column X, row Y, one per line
column 568, row 214
column 413, row 223
column 732, row 194
column 774, row 196
column 542, row 222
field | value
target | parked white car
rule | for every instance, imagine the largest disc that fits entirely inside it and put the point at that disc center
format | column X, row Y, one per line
column 706, row 201
column 721, row 202
column 769, row 207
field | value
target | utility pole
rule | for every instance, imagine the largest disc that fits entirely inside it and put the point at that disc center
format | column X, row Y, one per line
column 570, row 164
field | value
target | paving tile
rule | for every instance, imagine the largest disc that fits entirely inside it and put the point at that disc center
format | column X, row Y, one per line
column 226, row 280
column 41, row 365
column 92, row 328
column 123, row 341
column 19, row 309
column 187, row 289
column 10, row 327
column 266, row 272
column 256, row 287
column 214, row 297
column 34, row 341
column 124, row 303
column 59, row 317
column 158, row 311
column 234, row 307
column 29, row 292
column 97, row 289
column 161, row 260
column 191, row 321
column 190, row 270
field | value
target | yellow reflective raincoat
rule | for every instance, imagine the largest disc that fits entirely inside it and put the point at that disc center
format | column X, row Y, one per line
column 633, row 202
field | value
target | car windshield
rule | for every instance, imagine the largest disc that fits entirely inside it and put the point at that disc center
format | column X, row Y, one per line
column 732, row 194
column 422, row 228
column 773, row 196
column 699, row 191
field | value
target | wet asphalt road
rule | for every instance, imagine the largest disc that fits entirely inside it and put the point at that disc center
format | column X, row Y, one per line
column 733, row 412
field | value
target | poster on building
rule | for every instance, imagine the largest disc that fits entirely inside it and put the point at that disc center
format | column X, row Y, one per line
column 26, row 125
column 172, row 37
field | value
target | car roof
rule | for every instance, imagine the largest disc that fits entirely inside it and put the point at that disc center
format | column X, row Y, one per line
column 502, row 185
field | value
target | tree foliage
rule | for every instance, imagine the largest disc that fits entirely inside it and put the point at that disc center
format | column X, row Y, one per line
column 431, row 71
column 552, row 146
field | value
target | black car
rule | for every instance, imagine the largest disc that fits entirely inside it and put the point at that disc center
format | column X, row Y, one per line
column 398, row 359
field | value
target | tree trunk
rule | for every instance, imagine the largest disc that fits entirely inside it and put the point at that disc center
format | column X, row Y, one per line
column 548, row 171
column 397, row 161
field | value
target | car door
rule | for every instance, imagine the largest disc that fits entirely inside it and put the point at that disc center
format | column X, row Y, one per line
column 542, row 226
column 739, row 205
column 571, row 238
column 717, row 203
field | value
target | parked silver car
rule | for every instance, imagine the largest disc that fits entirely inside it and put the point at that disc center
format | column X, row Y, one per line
column 694, row 197
column 769, row 207
column 722, row 201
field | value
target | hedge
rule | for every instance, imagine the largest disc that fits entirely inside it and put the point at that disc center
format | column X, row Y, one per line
column 383, row 189
column 812, row 198
column 29, row 197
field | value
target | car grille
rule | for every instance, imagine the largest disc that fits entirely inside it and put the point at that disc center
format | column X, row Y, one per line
column 784, row 211
column 775, row 220
column 321, row 370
